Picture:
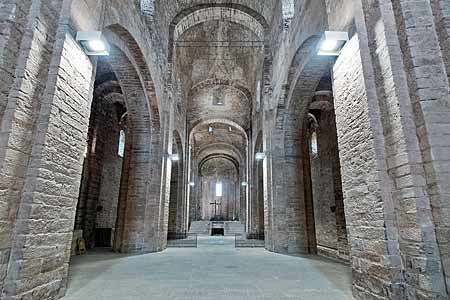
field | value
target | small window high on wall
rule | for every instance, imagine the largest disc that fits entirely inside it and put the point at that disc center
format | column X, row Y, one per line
column 219, row 189
column 314, row 146
column 121, row 150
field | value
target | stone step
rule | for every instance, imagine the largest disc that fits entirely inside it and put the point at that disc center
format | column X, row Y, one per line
column 204, row 227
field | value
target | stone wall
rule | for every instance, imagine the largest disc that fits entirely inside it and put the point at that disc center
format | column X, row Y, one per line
column 13, row 22
column 40, row 253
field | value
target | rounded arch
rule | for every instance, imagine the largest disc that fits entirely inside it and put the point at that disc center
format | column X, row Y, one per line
column 219, row 155
column 176, row 216
column 107, row 87
column 256, row 16
column 121, row 38
column 212, row 6
column 220, row 148
column 200, row 123
column 218, row 13
column 218, row 82
column 305, row 72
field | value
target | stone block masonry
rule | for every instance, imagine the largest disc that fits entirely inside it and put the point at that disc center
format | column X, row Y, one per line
column 42, row 235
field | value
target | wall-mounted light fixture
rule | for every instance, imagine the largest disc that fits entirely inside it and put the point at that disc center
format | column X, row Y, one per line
column 244, row 183
column 260, row 156
column 191, row 183
column 93, row 42
column 332, row 43
column 174, row 157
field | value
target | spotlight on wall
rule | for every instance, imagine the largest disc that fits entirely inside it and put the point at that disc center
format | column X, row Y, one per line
column 260, row 156
column 332, row 43
column 174, row 157
column 244, row 183
column 93, row 42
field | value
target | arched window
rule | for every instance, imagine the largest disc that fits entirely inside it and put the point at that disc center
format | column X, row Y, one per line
column 314, row 146
column 121, row 150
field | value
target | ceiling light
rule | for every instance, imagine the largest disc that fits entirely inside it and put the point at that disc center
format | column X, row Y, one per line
column 332, row 43
column 260, row 156
column 93, row 42
column 96, row 46
column 329, row 45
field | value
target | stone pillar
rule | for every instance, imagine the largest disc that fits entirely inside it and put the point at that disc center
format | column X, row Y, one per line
column 288, row 13
column 122, row 204
column 43, row 230
column 373, row 235
column 406, row 88
column 43, row 132
column 292, row 228
column 426, row 79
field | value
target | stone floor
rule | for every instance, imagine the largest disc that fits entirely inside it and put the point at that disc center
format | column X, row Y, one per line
column 214, row 270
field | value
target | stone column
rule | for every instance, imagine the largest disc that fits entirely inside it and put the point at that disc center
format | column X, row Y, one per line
column 427, row 108
column 166, row 144
column 406, row 89
column 45, row 124
column 369, row 209
column 26, row 55
column 43, row 230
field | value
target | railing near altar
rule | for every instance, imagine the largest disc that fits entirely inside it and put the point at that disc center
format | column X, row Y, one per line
column 249, row 240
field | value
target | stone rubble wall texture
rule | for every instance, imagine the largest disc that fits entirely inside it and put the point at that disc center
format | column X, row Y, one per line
column 24, row 99
column 41, row 246
column 428, row 83
column 13, row 21
column 374, row 248
column 413, row 96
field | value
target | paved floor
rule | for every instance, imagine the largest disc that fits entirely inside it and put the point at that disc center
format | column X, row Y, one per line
column 214, row 270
